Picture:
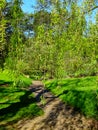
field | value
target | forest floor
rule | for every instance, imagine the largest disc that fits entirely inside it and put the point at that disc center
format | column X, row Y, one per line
column 57, row 115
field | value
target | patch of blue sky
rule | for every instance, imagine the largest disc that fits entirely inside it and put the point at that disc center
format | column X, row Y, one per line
column 28, row 6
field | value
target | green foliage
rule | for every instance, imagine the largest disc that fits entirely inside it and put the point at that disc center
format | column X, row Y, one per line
column 55, row 41
column 16, row 36
column 15, row 101
column 62, row 46
column 2, row 33
column 15, row 78
column 16, row 104
column 9, row 95
column 84, row 101
column 82, row 93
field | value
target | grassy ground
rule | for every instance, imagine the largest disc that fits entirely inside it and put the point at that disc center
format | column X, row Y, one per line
column 82, row 93
column 12, row 78
column 16, row 102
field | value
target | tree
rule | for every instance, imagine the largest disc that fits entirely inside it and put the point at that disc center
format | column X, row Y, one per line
column 2, row 33
column 16, row 38
column 41, row 17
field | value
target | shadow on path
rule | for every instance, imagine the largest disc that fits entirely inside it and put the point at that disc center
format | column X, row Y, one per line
column 58, row 115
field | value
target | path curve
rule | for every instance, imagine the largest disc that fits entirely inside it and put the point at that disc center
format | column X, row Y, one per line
column 57, row 115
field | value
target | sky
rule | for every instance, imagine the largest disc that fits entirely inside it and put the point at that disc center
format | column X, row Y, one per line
column 28, row 6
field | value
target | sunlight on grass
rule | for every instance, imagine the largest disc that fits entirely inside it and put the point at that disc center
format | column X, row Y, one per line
column 15, row 102
column 13, row 78
column 82, row 93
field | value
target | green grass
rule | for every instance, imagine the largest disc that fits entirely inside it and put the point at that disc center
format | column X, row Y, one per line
column 9, row 95
column 82, row 93
column 16, row 103
column 9, row 77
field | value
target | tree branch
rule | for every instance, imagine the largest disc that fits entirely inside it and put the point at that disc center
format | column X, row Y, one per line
column 93, row 8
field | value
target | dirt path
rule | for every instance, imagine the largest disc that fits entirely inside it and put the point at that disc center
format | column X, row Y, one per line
column 57, row 115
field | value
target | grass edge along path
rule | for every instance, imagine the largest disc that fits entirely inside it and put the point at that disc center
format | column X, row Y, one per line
column 82, row 93
column 16, row 103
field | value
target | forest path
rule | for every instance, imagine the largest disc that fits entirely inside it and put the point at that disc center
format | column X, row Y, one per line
column 57, row 115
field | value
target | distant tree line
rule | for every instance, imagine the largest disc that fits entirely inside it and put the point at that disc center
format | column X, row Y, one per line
column 56, row 41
